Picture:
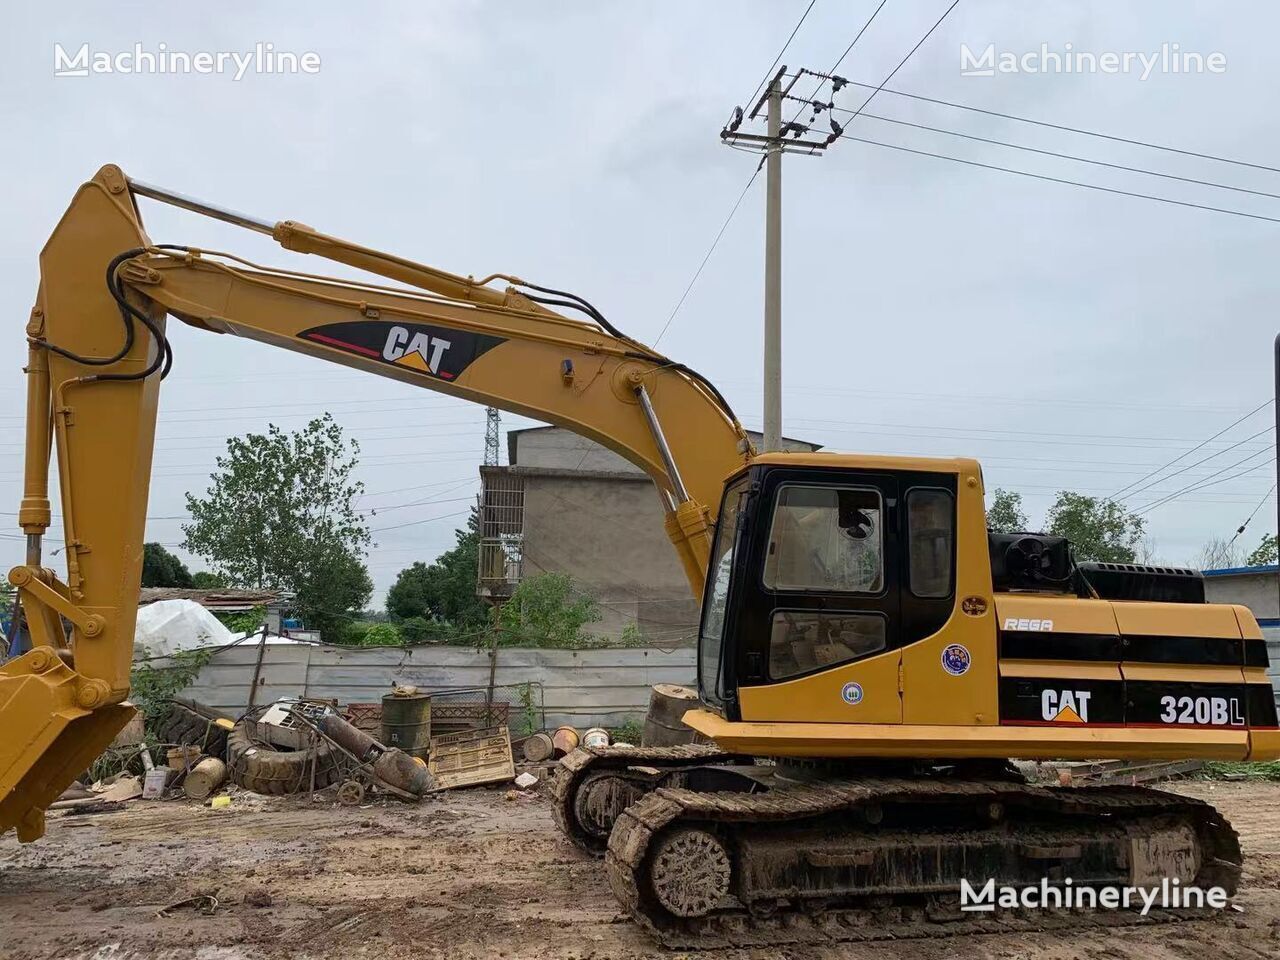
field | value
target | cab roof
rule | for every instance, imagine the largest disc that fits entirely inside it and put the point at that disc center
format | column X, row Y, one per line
column 869, row 461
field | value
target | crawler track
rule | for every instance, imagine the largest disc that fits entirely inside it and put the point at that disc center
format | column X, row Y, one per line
column 881, row 858
column 642, row 766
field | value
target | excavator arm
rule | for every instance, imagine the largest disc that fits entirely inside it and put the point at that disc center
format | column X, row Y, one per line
column 97, row 351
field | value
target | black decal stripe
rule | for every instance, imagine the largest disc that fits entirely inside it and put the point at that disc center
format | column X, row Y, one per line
column 1205, row 651
column 1261, row 700
column 1022, row 699
column 1035, row 645
column 1141, row 703
column 1132, row 648
column 1255, row 653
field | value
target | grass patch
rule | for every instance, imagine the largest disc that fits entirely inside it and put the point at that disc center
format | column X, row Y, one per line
column 1224, row 770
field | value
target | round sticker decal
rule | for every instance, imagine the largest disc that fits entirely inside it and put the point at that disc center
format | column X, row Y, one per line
column 851, row 694
column 956, row 659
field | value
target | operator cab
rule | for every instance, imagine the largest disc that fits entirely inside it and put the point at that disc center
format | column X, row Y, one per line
column 816, row 563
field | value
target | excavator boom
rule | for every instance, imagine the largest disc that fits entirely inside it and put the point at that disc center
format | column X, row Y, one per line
column 97, row 353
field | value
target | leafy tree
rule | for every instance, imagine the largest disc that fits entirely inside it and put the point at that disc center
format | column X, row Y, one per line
column 160, row 568
column 1265, row 553
column 443, row 591
column 381, row 635
column 546, row 611
column 422, row 630
column 1005, row 513
column 280, row 514
column 206, row 580
column 1098, row 529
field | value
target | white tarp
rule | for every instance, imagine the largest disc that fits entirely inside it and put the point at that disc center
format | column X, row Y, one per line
column 167, row 626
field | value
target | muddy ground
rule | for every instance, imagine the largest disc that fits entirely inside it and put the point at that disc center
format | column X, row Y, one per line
column 474, row 875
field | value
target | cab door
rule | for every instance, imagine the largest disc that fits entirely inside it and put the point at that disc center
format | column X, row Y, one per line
column 819, row 616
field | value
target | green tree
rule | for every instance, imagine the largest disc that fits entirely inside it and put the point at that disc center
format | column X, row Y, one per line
column 160, row 568
column 1265, row 553
column 279, row 514
column 1098, row 529
column 444, row 591
column 1005, row 513
column 207, row 580
column 547, row 611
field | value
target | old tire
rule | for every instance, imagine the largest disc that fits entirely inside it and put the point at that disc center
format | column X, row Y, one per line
column 191, row 722
column 273, row 771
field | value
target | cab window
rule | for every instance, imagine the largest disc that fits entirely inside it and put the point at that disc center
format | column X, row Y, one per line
column 711, row 635
column 826, row 539
column 802, row 641
column 931, row 539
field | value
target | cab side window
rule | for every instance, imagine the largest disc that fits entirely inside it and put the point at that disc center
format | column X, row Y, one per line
column 931, row 542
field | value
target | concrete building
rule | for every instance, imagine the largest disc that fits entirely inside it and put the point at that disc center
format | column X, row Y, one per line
column 565, row 504
column 1255, row 587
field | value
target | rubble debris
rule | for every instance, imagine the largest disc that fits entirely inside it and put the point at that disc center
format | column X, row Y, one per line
column 526, row 781
column 471, row 758
column 406, row 720
column 119, row 788
column 596, row 737
column 204, row 777
column 132, row 733
column 664, row 723
column 538, row 747
column 565, row 739
column 351, row 793
column 189, row 721
column 220, row 803
column 184, row 757
column 206, row 903
column 258, row 898
column 157, row 780
column 270, row 759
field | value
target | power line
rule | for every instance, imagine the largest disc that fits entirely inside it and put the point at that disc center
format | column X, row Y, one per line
column 1208, row 481
column 1199, row 462
column 414, row 523
column 1062, row 180
column 1198, row 446
column 714, row 243
column 1068, row 129
column 737, row 203
column 823, row 78
column 1240, row 529
column 902, row 62
column 776, row 60
column 1051, row 153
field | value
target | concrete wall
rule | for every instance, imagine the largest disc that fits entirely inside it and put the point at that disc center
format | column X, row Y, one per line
column 559, row 449
column 606, row 532
column 594, row 516
column 582, row 687
column 1257, row 591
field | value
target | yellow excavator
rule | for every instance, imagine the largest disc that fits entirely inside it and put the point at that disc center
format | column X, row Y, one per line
column 870, row 658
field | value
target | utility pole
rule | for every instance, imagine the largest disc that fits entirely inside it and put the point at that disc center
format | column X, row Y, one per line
column 773, row 144
column 773, row 273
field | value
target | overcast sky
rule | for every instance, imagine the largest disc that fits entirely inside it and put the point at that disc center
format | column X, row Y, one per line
column 1070, row 339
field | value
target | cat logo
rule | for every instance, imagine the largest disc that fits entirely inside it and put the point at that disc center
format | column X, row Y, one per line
column 418, row 350
column 1065, row 706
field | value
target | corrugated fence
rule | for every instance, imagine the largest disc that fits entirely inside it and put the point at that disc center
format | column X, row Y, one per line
column 581, row 687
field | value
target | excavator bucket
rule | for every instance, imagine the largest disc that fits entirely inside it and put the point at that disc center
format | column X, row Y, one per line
column 46, row 738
